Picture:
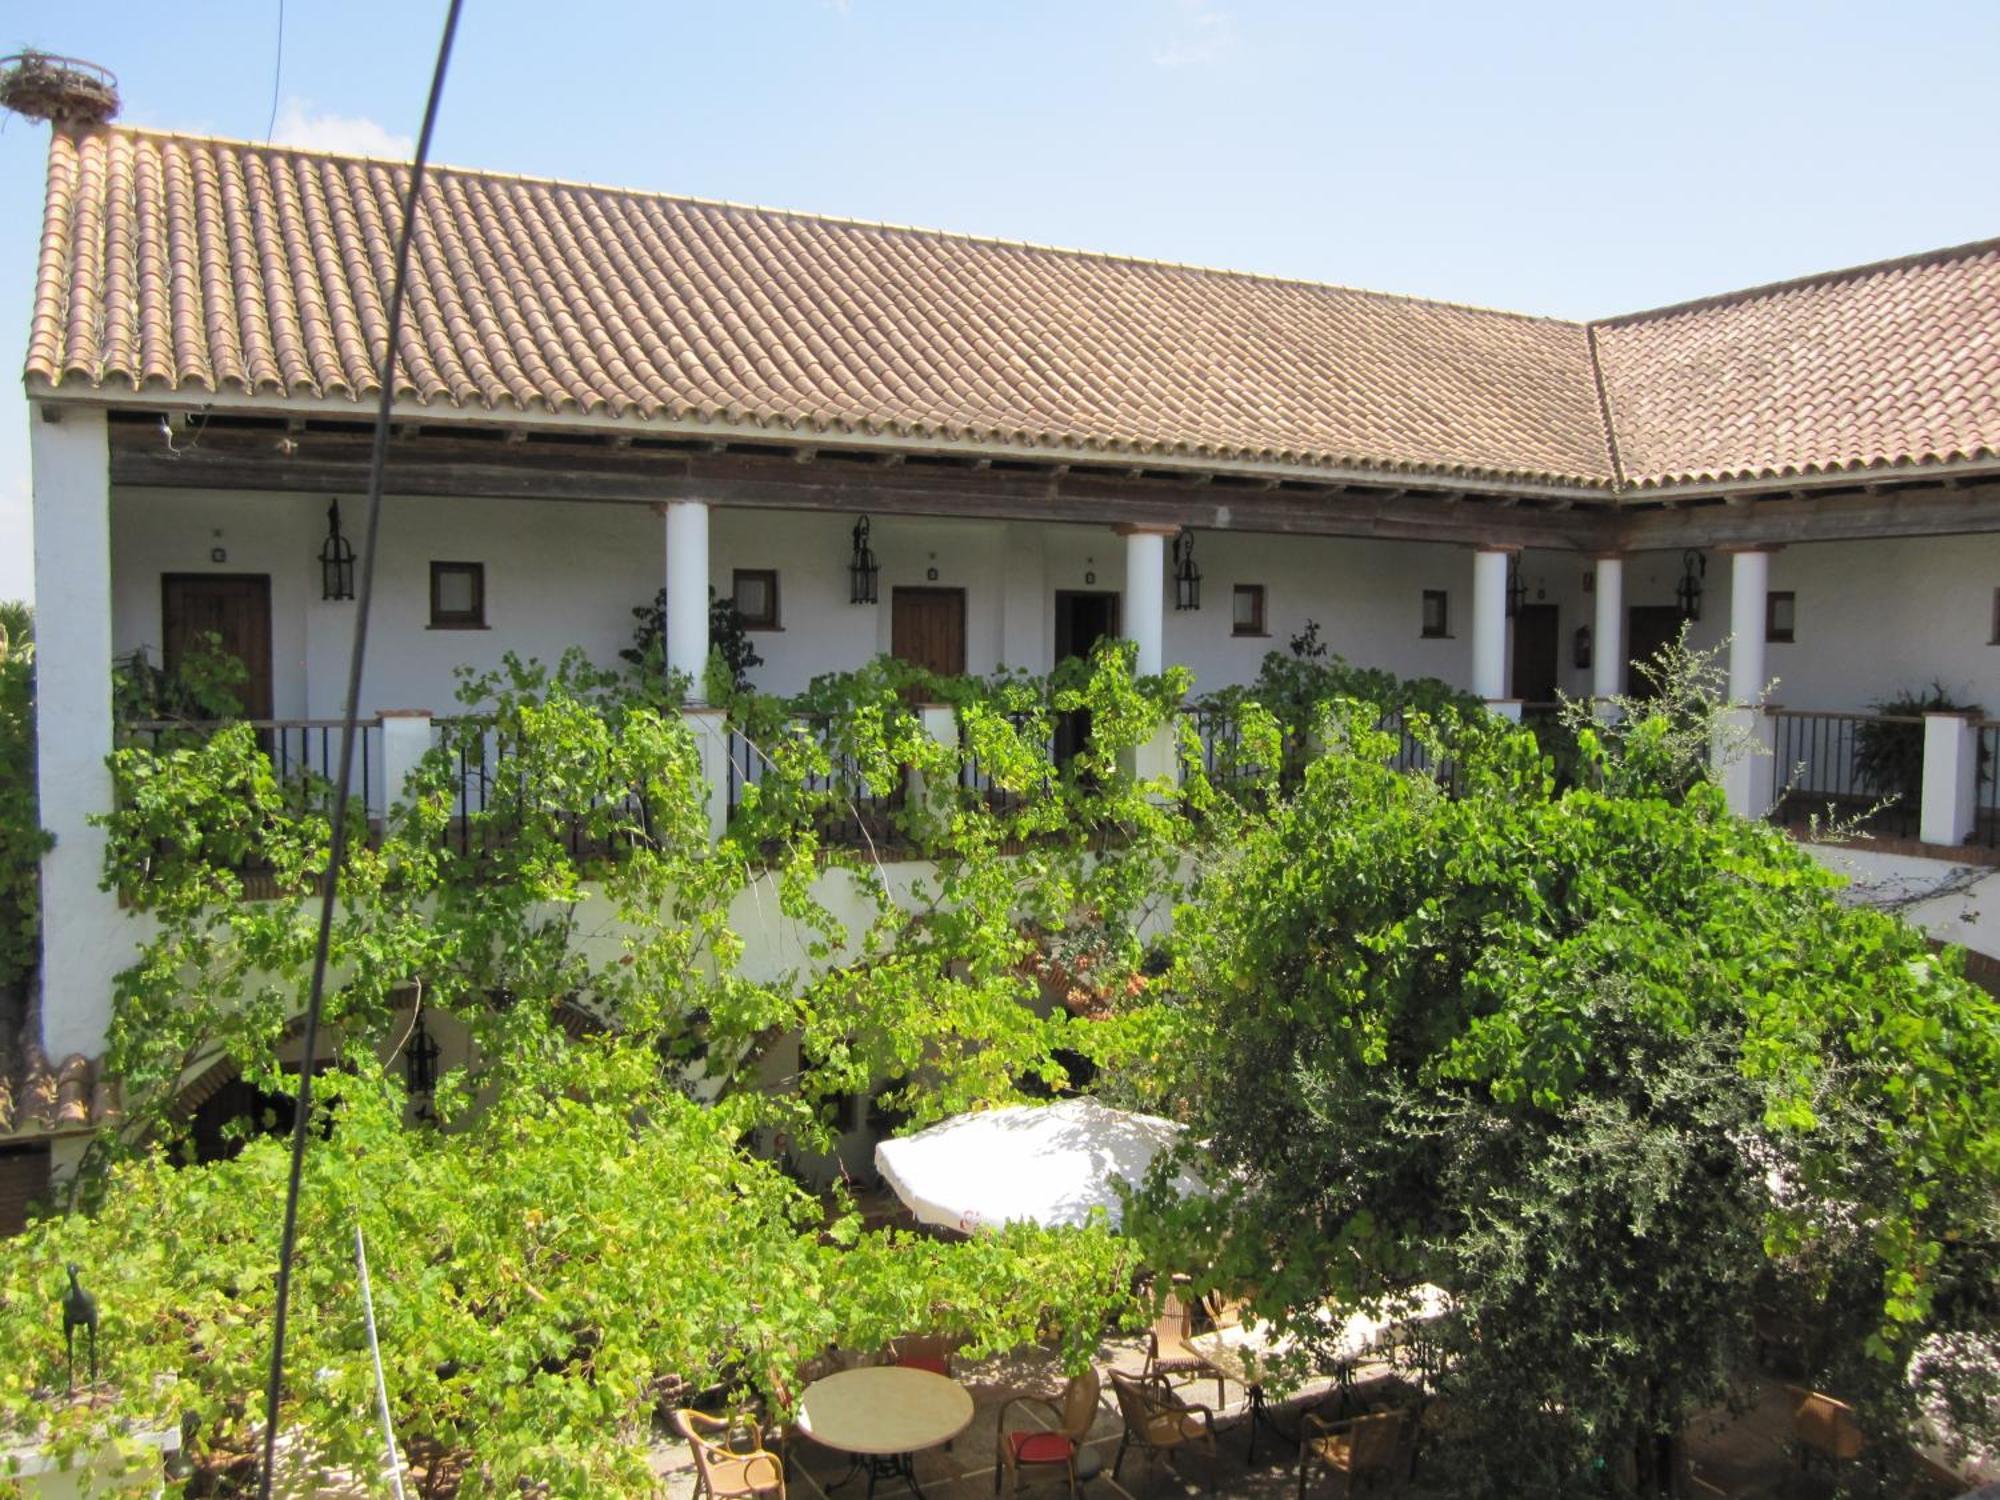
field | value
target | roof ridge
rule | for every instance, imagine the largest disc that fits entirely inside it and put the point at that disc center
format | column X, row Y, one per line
column 1812, row 278
column 847, row 221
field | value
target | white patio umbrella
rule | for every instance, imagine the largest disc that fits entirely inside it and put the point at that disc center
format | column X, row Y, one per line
column 1047, row 1164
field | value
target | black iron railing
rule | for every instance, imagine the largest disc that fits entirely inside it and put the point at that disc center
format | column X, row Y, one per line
column 304, row 753
column 1986, row 806
column 1865, row 770
column 859, row 812
column 978, row 779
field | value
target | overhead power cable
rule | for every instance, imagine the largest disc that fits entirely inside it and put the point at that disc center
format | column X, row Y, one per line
column 277, row 74
column 350, row 715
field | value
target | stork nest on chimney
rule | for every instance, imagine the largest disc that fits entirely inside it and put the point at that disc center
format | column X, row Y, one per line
column 62, row 90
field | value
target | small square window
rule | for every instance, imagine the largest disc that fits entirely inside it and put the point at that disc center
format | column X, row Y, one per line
column 458, row 596
column 1780, row 616
column 1437, row 614
column 756, row 594
column 1248, row 618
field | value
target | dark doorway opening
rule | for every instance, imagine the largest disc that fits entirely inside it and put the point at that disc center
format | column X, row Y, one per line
column 1537, row 654
column 1649, row 628
column 927, row 629
column 233, row 607
column 1082, row 620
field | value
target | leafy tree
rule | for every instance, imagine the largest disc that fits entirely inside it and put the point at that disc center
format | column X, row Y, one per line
column 1602, row 1062
column 21, row 838
column 549, row 1272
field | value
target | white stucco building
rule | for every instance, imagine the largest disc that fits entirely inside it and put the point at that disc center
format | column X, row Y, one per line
column 603, row 394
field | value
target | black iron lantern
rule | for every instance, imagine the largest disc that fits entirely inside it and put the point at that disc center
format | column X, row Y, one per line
column 336, row 559
column 1517, row 591
column 1687, row 593
column 420, row 1063
column 1187, row 575
column 862, row 569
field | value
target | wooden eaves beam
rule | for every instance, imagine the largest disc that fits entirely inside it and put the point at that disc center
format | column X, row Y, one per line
column 444, row 464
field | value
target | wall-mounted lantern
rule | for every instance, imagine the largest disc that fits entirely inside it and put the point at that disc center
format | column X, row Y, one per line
column 1687, row 593
column 336, row 559
column 1517, row 591
column 862, row 569
column 420, row 1061
column 1187, row 576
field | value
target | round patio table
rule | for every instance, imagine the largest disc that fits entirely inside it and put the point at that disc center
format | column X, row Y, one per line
column 881, row 1416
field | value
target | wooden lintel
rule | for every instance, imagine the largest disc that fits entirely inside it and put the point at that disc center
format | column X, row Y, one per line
column 439, row 465
column 1853, row 516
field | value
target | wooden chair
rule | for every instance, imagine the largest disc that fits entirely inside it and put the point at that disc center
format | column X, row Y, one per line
column 1826, row 1428
column 1168, row 1352
column 723, row 1472
column 1360, row 1449
column 1033, row 1447
column 923, row 1352
column 1159, row 1421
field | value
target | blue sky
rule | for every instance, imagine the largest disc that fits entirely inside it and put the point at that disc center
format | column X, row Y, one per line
column 1577, row 159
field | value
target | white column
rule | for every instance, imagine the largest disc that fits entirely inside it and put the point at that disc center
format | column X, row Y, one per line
column 687, row 592
column 1749, row 584
column 85, row 939
column 1145, row 614
column 1951, row 778
column 1489, row 622
column 1607, row 661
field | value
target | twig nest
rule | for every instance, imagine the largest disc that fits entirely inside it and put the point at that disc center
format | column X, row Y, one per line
column 61, row 90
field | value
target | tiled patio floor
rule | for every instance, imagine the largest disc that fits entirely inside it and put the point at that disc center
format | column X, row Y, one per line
column 1744, row 1456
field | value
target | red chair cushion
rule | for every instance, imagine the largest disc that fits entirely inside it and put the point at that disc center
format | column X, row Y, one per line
column 924, row 1362
column 1040, row 1447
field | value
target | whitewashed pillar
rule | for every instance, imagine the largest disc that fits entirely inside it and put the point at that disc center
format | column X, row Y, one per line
column 81, row 925
column 406, row 740
column 940, row 724
column 1951, row 778
column 1489, row 626
column 1607, row 661
column 1145, row 613
column 687, row 592
column 710, row 728
column 1746, row 780
column 1749, row 587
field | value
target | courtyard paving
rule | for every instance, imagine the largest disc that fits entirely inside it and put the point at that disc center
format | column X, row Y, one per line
column 1745, row 1455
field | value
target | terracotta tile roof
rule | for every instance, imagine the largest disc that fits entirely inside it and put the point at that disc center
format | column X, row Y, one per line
column 1890, row 364
column 40, row 1098
column 194, row 265
column 179, row 263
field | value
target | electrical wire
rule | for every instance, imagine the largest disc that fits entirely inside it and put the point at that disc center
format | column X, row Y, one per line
column 343, row 786
column 277, row 74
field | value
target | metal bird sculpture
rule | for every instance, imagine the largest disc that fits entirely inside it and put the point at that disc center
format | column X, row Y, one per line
column 79, row 1311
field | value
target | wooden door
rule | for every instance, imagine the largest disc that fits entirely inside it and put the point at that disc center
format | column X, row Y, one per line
column 927, row 629
column 235, row 608
column 1537, row 653
column 1648, row 629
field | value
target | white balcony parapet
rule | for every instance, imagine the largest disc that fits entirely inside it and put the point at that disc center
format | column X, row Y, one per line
column 1951, row 777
